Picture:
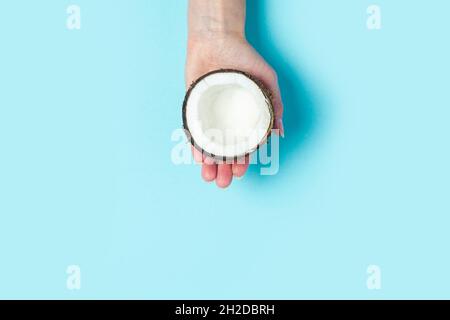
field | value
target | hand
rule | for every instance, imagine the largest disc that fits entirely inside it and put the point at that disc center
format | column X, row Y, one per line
column 229, row 52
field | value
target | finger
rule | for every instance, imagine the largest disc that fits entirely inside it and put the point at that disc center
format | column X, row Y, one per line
column 209, row 172
column 208, row 160
column 279, row 125
column 224, row 175
column 239, row 169
column 278, row 107
column 197, row 155
column 270, row 79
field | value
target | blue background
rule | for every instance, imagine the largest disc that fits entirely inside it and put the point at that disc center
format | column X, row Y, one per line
column 86, row 177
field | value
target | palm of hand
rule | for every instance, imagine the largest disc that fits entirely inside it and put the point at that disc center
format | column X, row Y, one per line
column 237, row 54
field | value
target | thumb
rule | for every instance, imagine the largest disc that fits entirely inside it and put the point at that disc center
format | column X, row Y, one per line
column 270, row 80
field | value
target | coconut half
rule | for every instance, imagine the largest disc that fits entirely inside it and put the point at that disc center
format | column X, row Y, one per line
column 227, row 114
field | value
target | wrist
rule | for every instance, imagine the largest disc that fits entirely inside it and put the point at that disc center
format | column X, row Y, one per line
column 213, row 40
column 216, row 20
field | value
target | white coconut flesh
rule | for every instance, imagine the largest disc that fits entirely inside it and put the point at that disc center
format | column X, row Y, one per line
column 228, row 115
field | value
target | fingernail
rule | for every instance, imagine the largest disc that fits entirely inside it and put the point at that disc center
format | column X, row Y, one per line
column 280, row 127
column 233, row 170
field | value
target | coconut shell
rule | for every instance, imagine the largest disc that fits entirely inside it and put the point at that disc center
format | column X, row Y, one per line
column 267, row 94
